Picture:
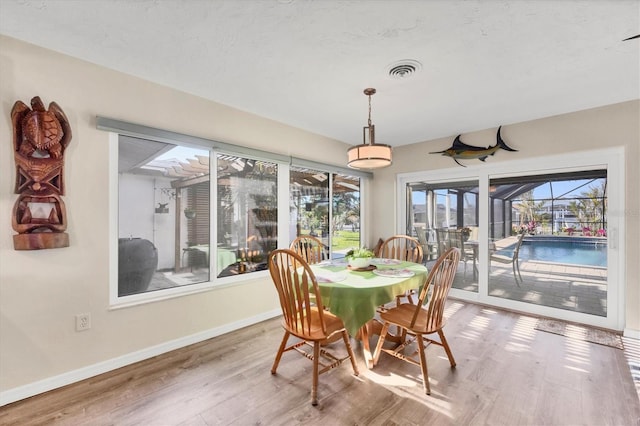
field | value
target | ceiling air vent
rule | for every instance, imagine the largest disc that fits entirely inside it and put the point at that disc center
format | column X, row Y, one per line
column 404, row 68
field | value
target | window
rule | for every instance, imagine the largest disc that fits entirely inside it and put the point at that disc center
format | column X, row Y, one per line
column 309, row 203
column 163, row 216
column 335, row 223
column 247, row 214
column 193, row 213
column 345, row 219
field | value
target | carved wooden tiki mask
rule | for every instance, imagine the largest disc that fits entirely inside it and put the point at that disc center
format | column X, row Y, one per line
column 40, row 138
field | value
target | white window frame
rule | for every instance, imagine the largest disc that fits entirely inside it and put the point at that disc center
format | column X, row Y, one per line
column 117, row 128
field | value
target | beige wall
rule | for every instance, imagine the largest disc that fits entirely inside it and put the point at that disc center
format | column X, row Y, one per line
column 42, row 291
column 610, row 126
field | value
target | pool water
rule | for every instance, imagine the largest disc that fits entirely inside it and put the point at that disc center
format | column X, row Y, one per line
column 587, row 253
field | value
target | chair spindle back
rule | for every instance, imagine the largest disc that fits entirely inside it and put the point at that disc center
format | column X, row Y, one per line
column 439, row 280
column 297, row 288
column 311, row 249
column 402, row 247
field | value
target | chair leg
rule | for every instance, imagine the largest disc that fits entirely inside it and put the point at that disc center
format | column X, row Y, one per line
column 280, row 352
column 516, row 272
column 345, row 337
column 383, row 335
column 446, row 347
column 423, row 365
column 314, row 386
column 408, row 294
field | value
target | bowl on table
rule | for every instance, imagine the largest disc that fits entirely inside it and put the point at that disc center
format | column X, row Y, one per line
column 359, row 262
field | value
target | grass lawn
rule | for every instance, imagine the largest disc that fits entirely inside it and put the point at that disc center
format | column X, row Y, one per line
column 346, row 240
column 342, row 240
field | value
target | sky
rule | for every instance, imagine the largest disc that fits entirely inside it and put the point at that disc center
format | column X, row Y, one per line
column 566, row 189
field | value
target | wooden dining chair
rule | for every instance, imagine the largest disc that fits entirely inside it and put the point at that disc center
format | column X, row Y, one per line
column 417, row 322
column 402, row 247
column 311, row 249
column 310, row 322
column 511, row 259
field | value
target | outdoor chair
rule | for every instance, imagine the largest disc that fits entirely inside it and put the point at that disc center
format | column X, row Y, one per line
column 512, row 259
column 457, row 239
column 442, row 240
column 314, row 326
column 429, row 245
column 417, row 322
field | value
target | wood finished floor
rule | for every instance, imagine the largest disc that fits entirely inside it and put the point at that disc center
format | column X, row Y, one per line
column 507, row 374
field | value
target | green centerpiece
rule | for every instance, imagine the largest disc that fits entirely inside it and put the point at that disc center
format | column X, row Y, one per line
column 359, row 258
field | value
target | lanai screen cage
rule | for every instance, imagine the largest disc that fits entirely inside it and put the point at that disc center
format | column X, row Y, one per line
column 572, row 203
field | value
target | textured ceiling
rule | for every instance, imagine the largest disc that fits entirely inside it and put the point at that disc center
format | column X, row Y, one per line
column 306, row 63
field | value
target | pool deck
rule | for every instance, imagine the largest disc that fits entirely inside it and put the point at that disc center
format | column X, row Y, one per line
column 575, row 288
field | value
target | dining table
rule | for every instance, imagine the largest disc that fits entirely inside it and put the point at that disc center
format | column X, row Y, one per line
column 355, row 295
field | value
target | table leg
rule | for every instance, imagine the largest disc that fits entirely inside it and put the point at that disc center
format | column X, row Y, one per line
column 366, row 349
column 373, row 327
column 475, row 267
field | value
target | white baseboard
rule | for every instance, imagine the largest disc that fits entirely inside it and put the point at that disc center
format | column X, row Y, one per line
column 629, row 332
column 31, row 389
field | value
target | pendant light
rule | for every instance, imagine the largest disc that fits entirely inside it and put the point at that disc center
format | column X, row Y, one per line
column 369, row 155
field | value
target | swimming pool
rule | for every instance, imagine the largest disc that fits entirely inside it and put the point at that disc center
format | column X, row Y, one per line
column 566, row 250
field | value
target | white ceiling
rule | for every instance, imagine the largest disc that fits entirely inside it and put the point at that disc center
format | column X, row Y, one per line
column 306, row 63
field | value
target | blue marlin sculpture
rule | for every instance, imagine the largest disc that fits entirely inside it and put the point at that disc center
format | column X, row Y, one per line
column 460, row 150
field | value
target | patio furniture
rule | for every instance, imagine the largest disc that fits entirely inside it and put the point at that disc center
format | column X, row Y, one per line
column 448, row 238
column 427, row 240
column 457, row 239
column 442, row 240
column 512, row 259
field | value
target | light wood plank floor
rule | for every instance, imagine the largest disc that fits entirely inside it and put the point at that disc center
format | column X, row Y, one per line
column 508, row 373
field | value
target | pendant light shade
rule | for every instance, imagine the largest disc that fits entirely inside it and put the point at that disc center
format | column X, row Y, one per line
column 369, row 155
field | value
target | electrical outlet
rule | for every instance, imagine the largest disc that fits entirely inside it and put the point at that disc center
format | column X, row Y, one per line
column 83, row 322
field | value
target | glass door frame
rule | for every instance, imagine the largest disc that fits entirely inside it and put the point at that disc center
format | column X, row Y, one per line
column 611, row 159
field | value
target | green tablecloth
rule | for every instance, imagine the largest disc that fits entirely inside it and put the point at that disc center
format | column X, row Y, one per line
column 224, row 257
column 356, row 298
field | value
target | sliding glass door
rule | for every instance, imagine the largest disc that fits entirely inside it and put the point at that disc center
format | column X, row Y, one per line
column 548, row 240
column 443, row 215
column 533, row 239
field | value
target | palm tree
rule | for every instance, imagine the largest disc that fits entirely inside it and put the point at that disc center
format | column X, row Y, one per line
column 595, row 204
column 591, row 207
column 529, row 210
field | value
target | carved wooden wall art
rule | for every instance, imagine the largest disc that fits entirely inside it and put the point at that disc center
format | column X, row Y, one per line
column 40, row 138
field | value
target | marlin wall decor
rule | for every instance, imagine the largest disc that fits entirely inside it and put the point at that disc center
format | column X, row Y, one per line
column 462, row 151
